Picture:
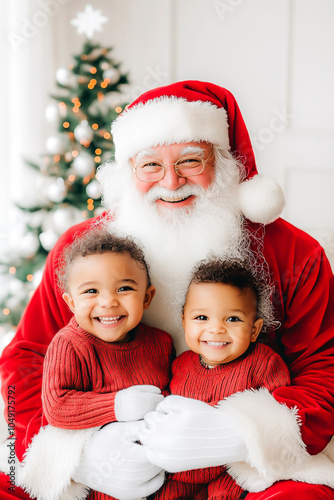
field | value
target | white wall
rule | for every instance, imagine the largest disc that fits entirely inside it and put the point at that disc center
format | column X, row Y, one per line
column 276, row 56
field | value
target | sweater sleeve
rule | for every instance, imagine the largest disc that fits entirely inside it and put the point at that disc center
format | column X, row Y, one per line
column 67, row 400
column 270, row 371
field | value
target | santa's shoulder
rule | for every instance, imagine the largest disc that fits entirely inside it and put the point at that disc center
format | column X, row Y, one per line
column 282, row 229
column 287, row 245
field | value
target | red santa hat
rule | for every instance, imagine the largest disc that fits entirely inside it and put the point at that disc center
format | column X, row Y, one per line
column 194, row 111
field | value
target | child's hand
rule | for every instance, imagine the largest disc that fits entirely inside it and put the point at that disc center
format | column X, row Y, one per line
column 134, row 402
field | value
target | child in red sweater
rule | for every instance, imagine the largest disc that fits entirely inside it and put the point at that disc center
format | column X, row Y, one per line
column 105, row 365
column 226, row 307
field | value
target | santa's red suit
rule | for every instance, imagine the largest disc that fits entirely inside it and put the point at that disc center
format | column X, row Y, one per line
column 276, row 427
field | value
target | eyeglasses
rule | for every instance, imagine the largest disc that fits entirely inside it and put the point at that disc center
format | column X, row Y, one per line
column 187, row 166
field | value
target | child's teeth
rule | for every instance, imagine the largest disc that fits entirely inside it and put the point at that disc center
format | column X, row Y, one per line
column 217, row 344
column 109, row 321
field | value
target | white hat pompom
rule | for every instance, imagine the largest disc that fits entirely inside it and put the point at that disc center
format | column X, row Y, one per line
column 261, row 199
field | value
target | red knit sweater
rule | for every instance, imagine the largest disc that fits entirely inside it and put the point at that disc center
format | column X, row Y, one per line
column 82, row 373
column 259, row 367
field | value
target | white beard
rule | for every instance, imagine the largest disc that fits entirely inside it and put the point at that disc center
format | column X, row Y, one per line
column 176, row 239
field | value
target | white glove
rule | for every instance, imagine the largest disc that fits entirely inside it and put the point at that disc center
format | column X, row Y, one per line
column 113, row 463
column 185, row 434
column 132, row 403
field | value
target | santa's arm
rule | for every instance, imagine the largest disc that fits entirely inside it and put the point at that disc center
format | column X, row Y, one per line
column 22, row 360
column 308, row 343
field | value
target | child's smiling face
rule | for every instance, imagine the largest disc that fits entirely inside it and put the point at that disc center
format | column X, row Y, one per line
column 220, row 321
column 108, row 294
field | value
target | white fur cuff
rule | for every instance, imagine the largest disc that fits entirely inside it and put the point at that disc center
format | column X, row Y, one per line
column 50, row 462
column 275, row 448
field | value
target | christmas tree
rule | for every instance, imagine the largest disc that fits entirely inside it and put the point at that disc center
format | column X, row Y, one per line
column 89, row 97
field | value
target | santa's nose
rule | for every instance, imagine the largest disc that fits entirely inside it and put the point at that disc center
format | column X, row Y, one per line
column 171, row 180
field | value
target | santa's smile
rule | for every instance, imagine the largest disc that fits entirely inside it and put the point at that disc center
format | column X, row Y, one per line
column 184, row 201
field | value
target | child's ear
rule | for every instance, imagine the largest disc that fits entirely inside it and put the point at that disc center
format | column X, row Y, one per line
column 150, row 292
column 257, row 327
column 69, row 301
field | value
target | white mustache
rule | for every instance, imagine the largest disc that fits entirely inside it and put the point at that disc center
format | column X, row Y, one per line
column 157, row 192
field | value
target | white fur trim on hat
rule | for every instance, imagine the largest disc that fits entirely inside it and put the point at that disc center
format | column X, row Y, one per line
column 168, row 120
column 276, row 451
column 261, row 199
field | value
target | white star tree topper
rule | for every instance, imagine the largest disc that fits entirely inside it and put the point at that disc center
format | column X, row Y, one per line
column 89, row 21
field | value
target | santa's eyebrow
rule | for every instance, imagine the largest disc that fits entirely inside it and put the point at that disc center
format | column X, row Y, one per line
column 193, row 150
column 146, row 152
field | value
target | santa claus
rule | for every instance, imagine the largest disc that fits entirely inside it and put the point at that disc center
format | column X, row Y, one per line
column 184, row 184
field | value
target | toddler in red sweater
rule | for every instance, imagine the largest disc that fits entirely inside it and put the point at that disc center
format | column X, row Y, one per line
column 227, row 305
column 105, row 365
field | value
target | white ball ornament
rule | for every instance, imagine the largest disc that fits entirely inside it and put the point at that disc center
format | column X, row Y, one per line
column 93, row 190
column 51, row 113
column 36, row 218
column 56, row 145
column 83, row 164
column 83, row 132
column 48, row 239
column 113, row 74
column 57, row 190
column 37, row 277
column 65, row 217
column 16, row 287
column 64, row 77
column 29, row 245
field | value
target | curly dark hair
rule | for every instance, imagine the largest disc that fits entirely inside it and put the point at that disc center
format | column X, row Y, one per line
column 99, row 240
column 240, row 274
column 228, row 272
